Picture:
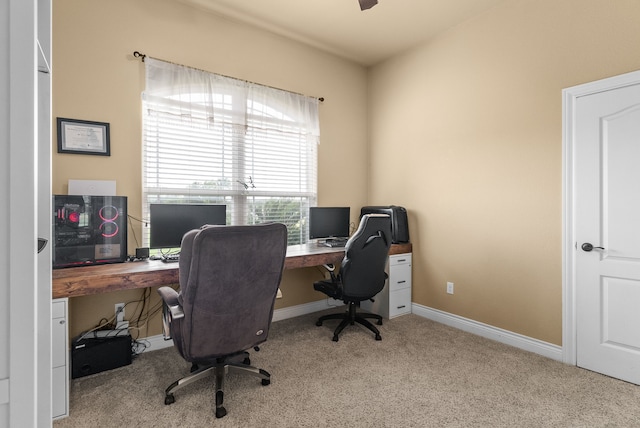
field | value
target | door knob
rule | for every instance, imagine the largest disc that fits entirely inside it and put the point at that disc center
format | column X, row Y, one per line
column 588, row 247
column 41, row 244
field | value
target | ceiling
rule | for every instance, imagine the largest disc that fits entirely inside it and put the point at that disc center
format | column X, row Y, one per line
column 341, row 28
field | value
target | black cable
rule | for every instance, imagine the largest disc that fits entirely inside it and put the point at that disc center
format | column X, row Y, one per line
column 141, row 220
column 142, row 314
column 133, row 231
column 151, row 312
column 144, row 303
column 137, row 344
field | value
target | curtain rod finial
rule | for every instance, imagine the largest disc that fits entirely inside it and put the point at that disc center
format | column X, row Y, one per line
column 139, row 55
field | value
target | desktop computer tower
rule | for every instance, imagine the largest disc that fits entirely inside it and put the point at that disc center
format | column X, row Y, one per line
column 399, row 222
column 95, row 355
column 89, row 230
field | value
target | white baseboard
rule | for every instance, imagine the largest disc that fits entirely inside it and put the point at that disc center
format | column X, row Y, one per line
column 480, row 329
column 154, row 343
column 494, row 333
column 306, row 308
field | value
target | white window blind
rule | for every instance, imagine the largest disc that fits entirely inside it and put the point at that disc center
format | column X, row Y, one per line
column 213, row 139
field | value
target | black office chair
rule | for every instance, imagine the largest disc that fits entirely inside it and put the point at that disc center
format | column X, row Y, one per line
column 362, row 273
column 229, row 278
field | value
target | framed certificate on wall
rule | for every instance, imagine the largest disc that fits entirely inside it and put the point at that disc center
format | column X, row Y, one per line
column 83, row 137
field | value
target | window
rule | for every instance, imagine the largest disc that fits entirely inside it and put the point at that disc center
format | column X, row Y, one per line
column 213, row 139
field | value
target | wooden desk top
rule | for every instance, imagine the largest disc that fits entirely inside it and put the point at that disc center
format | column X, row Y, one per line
column 86, row 280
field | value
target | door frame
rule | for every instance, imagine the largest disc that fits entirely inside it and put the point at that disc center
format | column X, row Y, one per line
column 569, row 244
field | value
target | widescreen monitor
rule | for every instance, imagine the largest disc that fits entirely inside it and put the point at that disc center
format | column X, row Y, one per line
column 329, row 222
column 169, row 222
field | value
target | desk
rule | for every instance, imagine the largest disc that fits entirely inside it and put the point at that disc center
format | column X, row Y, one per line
column 87, row 280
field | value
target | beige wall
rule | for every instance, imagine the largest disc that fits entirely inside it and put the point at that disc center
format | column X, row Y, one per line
column 469, row 128
column 464, row 131
column 95, row 77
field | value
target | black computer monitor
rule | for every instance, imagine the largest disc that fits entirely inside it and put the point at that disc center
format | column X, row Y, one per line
column 169, row 222
column 329, row 222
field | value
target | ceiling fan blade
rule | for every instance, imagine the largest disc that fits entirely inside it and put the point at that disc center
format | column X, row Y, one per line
column 367, row 4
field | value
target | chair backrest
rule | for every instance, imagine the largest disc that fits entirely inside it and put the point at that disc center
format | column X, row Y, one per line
column 362, row 271
column 229, row 278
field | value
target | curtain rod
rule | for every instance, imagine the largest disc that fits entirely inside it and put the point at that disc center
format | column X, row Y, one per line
column 142, row 56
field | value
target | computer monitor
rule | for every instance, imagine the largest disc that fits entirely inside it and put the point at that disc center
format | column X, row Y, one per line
column 329, row 222
column 169, row 222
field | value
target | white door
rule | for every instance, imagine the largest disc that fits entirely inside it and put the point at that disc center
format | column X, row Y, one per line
column 606, row 132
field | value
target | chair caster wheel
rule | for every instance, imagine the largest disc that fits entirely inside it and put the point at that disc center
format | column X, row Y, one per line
column 318, row 323
column 247, row 361
column 379, row 322
column 335, row 338
column 194, row 367
column 169, row 399
column 266, row 382
column 221, row 412
column 378, row 337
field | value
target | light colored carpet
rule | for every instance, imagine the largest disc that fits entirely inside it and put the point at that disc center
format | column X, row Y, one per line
column 422, row 374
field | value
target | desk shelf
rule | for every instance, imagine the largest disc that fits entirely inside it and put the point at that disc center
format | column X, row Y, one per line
column 87, row 280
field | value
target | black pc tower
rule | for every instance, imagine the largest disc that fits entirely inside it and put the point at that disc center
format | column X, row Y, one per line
column 399, row 222
column 90, row 355
column 89, row 230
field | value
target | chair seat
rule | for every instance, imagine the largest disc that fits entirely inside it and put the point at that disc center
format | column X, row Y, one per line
column 330, row 288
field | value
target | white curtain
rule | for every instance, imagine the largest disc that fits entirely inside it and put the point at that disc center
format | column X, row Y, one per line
column 209, row 138
column 191, row 88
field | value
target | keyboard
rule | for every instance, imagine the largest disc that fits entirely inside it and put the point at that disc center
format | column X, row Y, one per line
column 334, row 244
column 169, row 258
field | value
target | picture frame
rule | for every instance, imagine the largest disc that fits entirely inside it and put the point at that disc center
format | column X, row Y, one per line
column 83, row 137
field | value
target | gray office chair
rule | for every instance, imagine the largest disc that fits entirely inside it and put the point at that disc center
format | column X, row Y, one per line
column 229, row 278
column 362, row 273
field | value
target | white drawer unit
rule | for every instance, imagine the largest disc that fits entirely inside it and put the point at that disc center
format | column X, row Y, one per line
column 399, row 302
column 60, row 359
column 395, row 297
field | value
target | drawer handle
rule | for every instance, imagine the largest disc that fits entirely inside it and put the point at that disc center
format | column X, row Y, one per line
column 401, row 282
column 400, row 307
column 402, row 260
column 61, row 321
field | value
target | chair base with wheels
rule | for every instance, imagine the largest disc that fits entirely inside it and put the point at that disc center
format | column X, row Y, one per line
column 219, row 368
column 351, row 317
column 362, row 272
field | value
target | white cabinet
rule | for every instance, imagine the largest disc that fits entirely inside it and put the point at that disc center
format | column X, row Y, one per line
column 395, row 297
column 60, row 359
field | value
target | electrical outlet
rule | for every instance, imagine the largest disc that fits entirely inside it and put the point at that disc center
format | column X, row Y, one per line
column 450, row 287
column 119, row 312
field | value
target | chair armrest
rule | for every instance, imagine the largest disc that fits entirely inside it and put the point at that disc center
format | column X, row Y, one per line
column 331, row 268
column 170, row 297
column 171, row 309
column 176, row 312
